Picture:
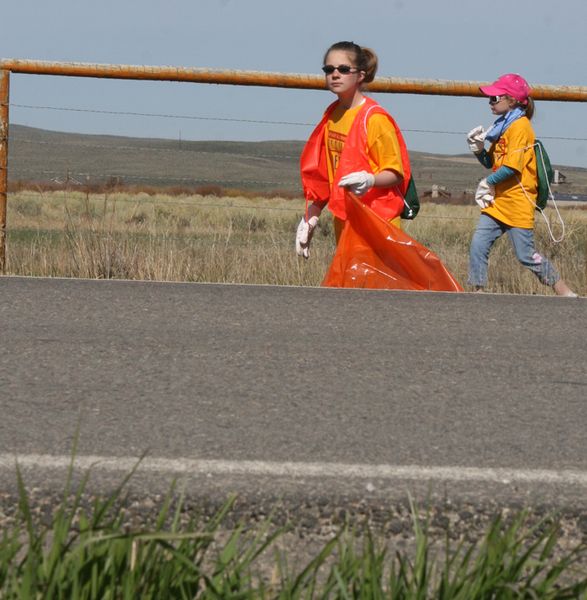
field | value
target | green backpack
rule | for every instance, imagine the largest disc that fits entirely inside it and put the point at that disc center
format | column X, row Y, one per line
column 411, row 201
column 545, row 174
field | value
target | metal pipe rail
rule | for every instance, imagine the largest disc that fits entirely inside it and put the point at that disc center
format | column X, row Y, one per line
column 393, row 85
column 397, row 85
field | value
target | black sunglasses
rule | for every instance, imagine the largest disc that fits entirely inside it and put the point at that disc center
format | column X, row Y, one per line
column 495, row 99
column 342, row 69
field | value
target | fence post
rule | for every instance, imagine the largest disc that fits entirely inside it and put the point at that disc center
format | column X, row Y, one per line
column 4, row 99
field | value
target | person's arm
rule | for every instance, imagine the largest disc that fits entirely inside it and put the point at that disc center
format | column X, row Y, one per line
column 485, row 194
column 315, row 209
column 500, row 175
column 385, row 152
column 484, row 158
column 387, row 178
column 306, row 227
column 360, row 182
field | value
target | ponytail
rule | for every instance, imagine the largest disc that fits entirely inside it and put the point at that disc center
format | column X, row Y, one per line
column 369, row 64
column 530, row 108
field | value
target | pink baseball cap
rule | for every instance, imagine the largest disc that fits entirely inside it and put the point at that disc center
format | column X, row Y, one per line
column 512, row 84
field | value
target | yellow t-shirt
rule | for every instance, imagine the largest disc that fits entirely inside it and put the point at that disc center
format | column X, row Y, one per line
column 383, row 148
column 515, row 149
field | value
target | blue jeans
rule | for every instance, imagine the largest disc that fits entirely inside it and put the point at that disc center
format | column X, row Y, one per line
column 488, row 231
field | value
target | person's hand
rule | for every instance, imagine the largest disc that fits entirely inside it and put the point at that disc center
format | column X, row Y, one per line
column 485, row 194
column 476, row 139
column 304, row 236
column 358, row 182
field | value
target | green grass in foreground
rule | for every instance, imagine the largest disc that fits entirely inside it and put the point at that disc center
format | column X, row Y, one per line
column 90, row 553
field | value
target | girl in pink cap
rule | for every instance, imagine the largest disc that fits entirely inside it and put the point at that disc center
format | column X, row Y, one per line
column 508, row 196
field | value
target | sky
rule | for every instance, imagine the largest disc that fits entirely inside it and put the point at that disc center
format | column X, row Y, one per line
column 463, row 40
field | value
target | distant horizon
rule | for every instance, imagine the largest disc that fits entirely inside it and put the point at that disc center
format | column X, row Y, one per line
column 464, row 155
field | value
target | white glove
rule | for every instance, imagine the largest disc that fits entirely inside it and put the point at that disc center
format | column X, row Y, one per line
column 358, row 182
column 304, row 236
column 485, row 194
column 476, row 139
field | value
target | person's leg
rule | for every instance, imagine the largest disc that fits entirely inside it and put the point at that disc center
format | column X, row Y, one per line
column 523, row 243
column 488, row 230
column 562, row 289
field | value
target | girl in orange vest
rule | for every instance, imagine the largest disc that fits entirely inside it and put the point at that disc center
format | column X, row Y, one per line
column 357, row 145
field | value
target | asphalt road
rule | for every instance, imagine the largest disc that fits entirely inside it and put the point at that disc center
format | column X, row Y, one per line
column 284, row 390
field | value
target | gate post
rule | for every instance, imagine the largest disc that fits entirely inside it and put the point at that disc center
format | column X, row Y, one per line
column 4, row 99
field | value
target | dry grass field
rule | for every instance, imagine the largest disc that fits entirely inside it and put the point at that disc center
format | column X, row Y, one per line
column 113, row 207
column 240, row 239
column 266, row 167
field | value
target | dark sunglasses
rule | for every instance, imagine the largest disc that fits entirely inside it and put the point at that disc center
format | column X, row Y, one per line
column 495, row 99
column 342, row 69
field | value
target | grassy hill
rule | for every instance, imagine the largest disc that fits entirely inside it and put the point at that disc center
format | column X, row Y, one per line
column 41, row 156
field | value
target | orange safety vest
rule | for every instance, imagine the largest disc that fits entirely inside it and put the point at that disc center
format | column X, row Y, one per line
column 388, row 203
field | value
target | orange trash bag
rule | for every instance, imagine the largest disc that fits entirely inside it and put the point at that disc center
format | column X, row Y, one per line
column 372, row 253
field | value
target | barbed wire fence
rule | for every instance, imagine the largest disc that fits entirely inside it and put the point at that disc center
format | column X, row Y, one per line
column 70, row 151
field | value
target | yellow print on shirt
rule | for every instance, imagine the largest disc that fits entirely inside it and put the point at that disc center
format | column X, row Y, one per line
column 335, row 145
